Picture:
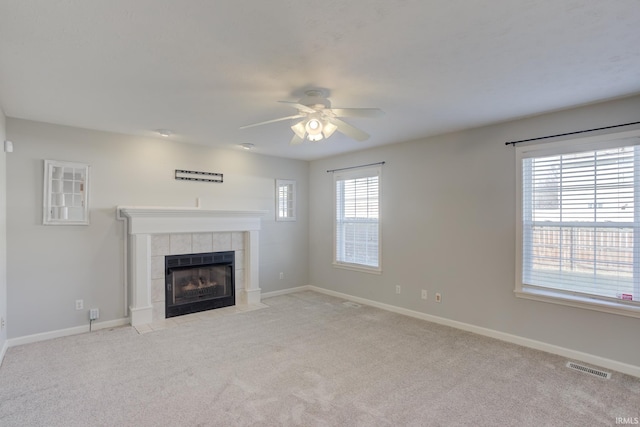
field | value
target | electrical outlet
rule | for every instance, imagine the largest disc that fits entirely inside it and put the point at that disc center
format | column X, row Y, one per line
column 1, row 323
column 397, row 289
column 281, row 275
column 438, row 297
column 79, row 304
column 94, row 313
column 424, row 294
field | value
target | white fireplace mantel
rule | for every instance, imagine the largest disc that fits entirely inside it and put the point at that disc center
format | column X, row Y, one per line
column 145, row 221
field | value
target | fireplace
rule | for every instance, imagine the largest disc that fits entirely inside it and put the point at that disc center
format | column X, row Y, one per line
column 199, row 282
column 154, row 232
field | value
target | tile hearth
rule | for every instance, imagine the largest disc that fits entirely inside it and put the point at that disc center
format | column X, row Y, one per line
column 174, row 322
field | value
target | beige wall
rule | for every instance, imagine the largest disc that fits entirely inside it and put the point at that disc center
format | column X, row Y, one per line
column 448, row 226
column 52, row 266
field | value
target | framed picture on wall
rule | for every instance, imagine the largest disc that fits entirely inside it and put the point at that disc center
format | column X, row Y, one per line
column 66, row 193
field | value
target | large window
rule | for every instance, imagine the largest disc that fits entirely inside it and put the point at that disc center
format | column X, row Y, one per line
column 579, row 223
column 357, row 219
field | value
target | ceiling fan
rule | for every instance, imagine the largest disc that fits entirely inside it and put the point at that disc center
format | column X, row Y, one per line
column 320, row 121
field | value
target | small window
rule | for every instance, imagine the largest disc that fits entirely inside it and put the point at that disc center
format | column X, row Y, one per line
column 579, row 223
column 285, row 200
column 357, row 219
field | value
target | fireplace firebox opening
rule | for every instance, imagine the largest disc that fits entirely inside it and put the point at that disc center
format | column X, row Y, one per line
column 199, row 282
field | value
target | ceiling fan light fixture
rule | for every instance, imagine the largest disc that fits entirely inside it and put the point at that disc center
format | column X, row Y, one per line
column 314, row 129
column 314, row 125
column 299, row 129
column 328, row 129
column 318, row 121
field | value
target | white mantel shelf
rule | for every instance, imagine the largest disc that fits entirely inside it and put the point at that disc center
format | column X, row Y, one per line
column 145, row 221
column 141, row 211
column 157, row 219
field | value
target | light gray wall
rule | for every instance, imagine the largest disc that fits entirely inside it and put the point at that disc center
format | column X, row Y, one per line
column 448, row 225
column 49, row 267
column 3, row 233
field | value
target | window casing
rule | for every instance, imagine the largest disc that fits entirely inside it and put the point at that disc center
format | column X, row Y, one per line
column 357, row 219
column 578, row 236
column 285, row 200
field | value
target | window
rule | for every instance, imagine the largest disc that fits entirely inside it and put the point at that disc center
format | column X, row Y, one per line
column 579, row 223
column 357, row 220
column 286, row 200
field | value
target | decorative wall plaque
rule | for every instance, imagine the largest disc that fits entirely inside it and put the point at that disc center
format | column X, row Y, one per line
column 184, row 175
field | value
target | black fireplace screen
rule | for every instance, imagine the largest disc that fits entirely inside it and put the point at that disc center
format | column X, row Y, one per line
column 194, row 284
column 198, row 282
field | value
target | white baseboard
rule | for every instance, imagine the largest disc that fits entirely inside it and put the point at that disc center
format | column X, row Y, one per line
column 3, row 350
column 27, row 339
column 625, row 368
column 285, row 291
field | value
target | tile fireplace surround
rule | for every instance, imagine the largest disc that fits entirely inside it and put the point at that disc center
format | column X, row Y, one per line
column 153, row 232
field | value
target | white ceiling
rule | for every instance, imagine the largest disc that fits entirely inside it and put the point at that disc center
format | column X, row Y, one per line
column 204, row 68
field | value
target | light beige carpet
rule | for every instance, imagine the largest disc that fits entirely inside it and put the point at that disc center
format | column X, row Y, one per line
column 310, row 360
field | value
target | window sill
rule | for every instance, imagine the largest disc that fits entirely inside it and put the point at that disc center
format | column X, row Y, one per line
column 606, row 306
column 356, row 267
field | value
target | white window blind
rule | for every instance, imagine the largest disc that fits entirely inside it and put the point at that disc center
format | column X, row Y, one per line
column 285, row 200
column 581, row 222
column 357, row 218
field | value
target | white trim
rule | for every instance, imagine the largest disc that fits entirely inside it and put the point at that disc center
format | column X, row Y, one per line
column 294, row 199
column 614, row 365
column 44, row 336
column 357, row 267
column 162, row 220
column 141, row 315
column 3, row 351
column 577, row 301
column 250, row 296
column 286, row 291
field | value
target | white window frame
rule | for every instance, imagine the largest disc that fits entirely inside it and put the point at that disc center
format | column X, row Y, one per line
column 355, row 173
column 608, row 305
column 287, row 214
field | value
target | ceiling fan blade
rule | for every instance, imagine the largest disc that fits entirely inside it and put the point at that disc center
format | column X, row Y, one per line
column 347, row 129
column 299, row 106
column 297, row 116
column 357, row 112
column 296, row 140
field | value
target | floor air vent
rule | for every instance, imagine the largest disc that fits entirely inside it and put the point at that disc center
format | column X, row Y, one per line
column 351, row 304
column 590, row 371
